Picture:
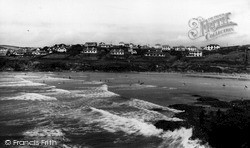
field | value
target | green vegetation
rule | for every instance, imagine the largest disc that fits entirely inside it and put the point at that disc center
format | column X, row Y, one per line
column 231, row 60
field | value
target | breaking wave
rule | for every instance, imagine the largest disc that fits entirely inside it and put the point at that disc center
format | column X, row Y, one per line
column 43, row 132
column 180, row 138
column 30, row 96
column 20, row 83
column 150, row 106
column 113, row 123
column 96, row 92
column 149, row 116
column 58, row 91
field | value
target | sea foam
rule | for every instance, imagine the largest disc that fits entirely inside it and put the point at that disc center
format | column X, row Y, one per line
column 20, row 83
column 148, row 105
column 96, row 92
column 43, row 132
column 180, row 138
column 115, row 123
column 30, row 96
column 146, row 115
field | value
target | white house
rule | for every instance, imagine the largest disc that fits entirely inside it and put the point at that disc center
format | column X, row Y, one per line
column 155, row 54
column 192, row 48
column 158, row 46
column 121, row 43
column 61, row 49
column 131, row 45
column 196, row 53
column 132, row 51
column 179, row 48
column 166, row 48
column 212, row 47
column 90, row 44
column 35, row 52
column 117, row 52
column 102, row 44
column 3, row 51
column 92, row 50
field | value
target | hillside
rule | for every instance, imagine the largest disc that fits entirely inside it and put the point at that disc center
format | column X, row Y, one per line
column 227, row 60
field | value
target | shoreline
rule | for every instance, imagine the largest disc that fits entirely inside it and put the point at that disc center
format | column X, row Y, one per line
column 191, row 74
column 203, row 115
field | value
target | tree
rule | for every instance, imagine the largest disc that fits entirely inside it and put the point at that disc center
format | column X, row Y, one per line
column 75, row 49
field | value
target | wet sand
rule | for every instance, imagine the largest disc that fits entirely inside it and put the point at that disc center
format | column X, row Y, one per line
column 163, row 88
column 171, row 88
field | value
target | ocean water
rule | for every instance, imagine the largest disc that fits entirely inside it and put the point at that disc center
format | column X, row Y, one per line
column 94, row 109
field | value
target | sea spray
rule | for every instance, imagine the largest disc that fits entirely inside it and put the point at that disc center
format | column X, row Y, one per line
column 149, row 105
column 96, row 92
column 114, row 123
column 180, row 138
column 30, row 97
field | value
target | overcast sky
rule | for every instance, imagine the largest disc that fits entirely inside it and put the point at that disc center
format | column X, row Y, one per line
column 47, row 22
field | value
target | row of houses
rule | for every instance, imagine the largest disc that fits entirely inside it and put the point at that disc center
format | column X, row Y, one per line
column 156, row 46
column 149, row 52
column 91, row 47
column 120, row 49
column 28, row 51
column 157, row 51
column 189, row 48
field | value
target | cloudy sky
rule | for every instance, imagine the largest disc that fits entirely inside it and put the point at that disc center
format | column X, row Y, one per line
column 47, row 22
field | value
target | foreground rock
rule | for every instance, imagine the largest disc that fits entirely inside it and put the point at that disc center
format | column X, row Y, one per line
column 223, row 124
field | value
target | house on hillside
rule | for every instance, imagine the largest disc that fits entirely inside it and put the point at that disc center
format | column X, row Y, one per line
column 121, row 44
column 166, row 48
column 3, row 51
column 90, row 44
column 132, row 51
column 61, row 49
column 101, row 44
column 197, row 53
column 92, row 50
column 155, row 54
column 43, row 52
column 158, row 46
column 104, row 45
column 35, row 52
column 117, row 52
column 191, row 48
column 126, row 45
column 212, row 47
column 19, row 52
column 179, row 48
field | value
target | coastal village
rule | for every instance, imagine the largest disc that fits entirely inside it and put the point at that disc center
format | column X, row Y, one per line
column 121, row 50
column 101, row 56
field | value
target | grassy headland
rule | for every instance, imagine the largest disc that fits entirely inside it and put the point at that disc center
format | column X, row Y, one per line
column 223, row 60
